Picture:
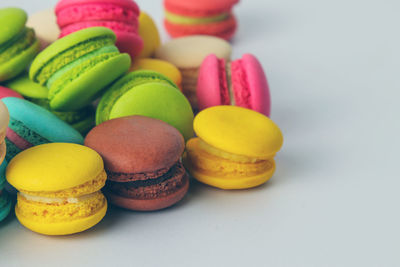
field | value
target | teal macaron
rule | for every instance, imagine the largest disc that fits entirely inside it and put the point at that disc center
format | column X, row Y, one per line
column 5, row 201
column 31, row 125
column 149, row 94
column 78, row 67
column 18, row 44
column 83, row 120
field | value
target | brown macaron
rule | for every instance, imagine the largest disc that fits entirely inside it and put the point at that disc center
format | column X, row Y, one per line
column 142, row 159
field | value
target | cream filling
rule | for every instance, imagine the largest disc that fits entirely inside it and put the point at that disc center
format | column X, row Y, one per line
column 50, row 200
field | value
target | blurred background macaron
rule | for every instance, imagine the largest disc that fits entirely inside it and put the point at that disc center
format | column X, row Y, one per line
column 18, row 44
column 187, row 54
column 142, row 158
column 7, row 92
column 59, row 188
column 234, row 148
column 149, row 94
column 121, row 16
column 77, row 68
column 30, row 125
column 150, row 35
column 240, row 82
column 208, row 17
column 44, row 23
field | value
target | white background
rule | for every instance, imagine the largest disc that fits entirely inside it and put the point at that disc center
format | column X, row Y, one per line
column 333, row 68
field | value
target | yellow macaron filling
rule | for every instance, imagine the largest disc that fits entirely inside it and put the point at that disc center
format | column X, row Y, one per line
column 80, row 190
column 53, row 210
column 211, row 161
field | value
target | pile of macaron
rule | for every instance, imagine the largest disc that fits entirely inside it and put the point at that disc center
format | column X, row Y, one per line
column 95, row 110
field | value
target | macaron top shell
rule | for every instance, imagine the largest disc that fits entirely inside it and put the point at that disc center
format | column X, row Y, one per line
column 136, row 144
column 239, row 131
column 126, row 3
column 12, row 21
column 199, row 7
column 4, row 119
column 190, row 51
column 41, row 121
column 66, row 166
column 61, row 45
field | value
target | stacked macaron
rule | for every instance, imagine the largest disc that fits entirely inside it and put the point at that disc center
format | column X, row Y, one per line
column 121, row 16
column 208, row 17
column 5, row 202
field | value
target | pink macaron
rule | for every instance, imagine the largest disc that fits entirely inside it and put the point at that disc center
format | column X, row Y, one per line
column 121, row 16
column 6, row 92
column 240, row 82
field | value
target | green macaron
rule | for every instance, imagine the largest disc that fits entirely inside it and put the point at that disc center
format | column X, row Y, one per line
column 78, row 67
column 148, row 94
column 18, row 44
column 82, row 120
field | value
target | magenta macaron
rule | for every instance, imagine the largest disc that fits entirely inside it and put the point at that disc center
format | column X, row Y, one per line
column 240, row 82
column 121, row 16
column 6, row 92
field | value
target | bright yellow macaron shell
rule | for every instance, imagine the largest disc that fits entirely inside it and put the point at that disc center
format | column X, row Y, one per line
column 59, row 188
column 234, row 148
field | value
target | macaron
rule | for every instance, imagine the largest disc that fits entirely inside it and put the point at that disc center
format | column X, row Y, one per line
column 78, row 67
column 187, row 54
column 30, row 125
column 6, row 92
column 208, row 17
column 239, row 82
column 161, row 66
column 149, row 94
column 121, row 16
column 45, row 25
column 149, row 33
column 18, row 44
column 58, row 195
column 234, row 149
column 142, row 160
column 82, row 120
column 5, row 201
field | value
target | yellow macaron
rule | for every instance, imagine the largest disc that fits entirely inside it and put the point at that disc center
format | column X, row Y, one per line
column 161, row 66
column 234, row 149
column 150, row 35
column 59, row 188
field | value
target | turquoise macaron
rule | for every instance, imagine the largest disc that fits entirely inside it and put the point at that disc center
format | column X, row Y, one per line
column 83, row 120
column 18, row 44
column 5, row 201
column 77, row 68
column 31, row 125
column 149, row 94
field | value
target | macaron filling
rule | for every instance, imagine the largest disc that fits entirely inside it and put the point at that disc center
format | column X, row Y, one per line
column 124, row 85
column 209, row 160
column 68, row 56
column 189, row 20
column 116, row 26
column 16, row 45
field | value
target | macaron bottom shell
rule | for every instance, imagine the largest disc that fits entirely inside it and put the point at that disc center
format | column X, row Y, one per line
column 62, row 228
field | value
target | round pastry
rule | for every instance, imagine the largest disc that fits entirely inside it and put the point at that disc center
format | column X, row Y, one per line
column 142, row 160
column 121, row 16
column 161, row 66
column 187, row 54
column 82, row 120
column 208, row 17
column 234, row 149
column 58, row 195
column 45, row 25
column 18, row 44
column 240, row 82
column 31, row 125
column 150, row 35
column 148, row 94
column 78, row 67
column 6, row 92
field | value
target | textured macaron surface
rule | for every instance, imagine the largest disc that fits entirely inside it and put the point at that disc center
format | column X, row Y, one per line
column 136, row 147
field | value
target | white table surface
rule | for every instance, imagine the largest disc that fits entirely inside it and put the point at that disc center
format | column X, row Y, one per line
column 333, row 68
